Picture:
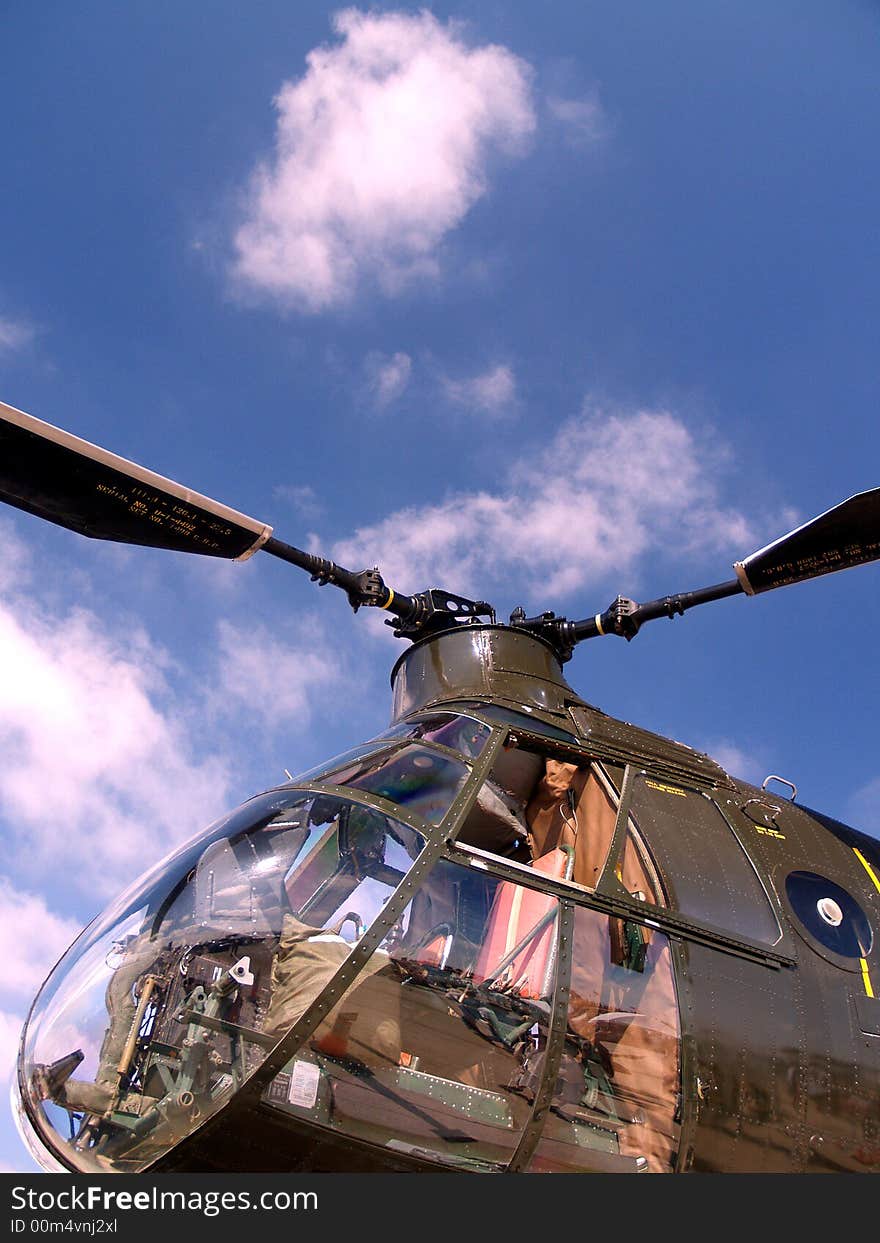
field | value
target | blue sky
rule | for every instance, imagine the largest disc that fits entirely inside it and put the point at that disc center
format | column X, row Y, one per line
column 538, row 310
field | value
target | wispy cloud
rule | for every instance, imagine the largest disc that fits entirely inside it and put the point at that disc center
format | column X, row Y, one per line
column 737, row 761
column 99, row 760
column 91, row 747
column 10, row 1033
column 493, row 392
column 274, row 677
column 32, row 939
column 387, row 377
column 301, row 497
column 112, row 753
column 601, row 494
column 382, row 147
column 15, row 564
column 582, row 117
column 15, row 334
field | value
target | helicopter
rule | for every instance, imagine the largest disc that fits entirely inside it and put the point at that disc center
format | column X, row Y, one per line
column 508, row 934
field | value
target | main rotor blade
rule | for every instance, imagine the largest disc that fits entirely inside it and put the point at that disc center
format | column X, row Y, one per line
column 55, row 475
column 847, row 535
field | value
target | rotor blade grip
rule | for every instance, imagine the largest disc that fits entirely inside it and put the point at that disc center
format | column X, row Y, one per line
column 295, row 556
column 56, row 476
column 319, row 567
column 624, row 617
column 367, row 588
column 670, row 606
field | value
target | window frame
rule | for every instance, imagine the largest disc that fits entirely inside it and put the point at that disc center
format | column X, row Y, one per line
column 606, row 897
column 608, row 882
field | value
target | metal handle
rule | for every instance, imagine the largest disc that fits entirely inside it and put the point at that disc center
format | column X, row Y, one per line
column 783, row 781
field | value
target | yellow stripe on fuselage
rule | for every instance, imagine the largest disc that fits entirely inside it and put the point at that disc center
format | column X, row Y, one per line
column 866, row 865
column 866, row 979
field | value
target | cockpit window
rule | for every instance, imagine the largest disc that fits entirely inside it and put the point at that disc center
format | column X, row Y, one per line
column 460, row 733
column 436, row 1047
column 439, row 1047
column 158, row 1014
column 339, row 761
column 418, row 778
column 616, row 1100
column 532, row 804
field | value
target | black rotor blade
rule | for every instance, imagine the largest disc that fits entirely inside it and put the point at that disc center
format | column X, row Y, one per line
column 845, row 536
column 842, row 537
column 55, row 475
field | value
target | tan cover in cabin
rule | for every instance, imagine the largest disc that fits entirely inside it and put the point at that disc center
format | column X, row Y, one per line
column 552, row 824
column 364, row 1025
column 631, row 1015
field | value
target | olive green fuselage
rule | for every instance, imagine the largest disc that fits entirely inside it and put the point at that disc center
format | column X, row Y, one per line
column 780, row 1043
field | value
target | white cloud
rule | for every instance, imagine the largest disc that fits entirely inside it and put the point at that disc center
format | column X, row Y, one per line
column 32, row 939
column 274, row 679
column 583, row 117
column 493, row 392
column 602, row 493
column 739, row 763
column 302, row 497
column 388, row 377
column 10, row 1034
column 15, row 564
column 15, row 334
column 108, row 761
column 382, row 147
column 92, row 751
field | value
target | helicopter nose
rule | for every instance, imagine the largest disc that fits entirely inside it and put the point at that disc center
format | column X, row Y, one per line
column 163, row 1008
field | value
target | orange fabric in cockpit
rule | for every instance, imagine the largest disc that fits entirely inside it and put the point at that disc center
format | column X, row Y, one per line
column 631, row 1016
column 552, row 823
column 590, row 830
column 517, row 911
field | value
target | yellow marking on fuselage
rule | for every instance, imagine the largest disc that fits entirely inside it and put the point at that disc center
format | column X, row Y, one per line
column 866, row 978
column 770, row 832
column 665, row 789
column 866, row 865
